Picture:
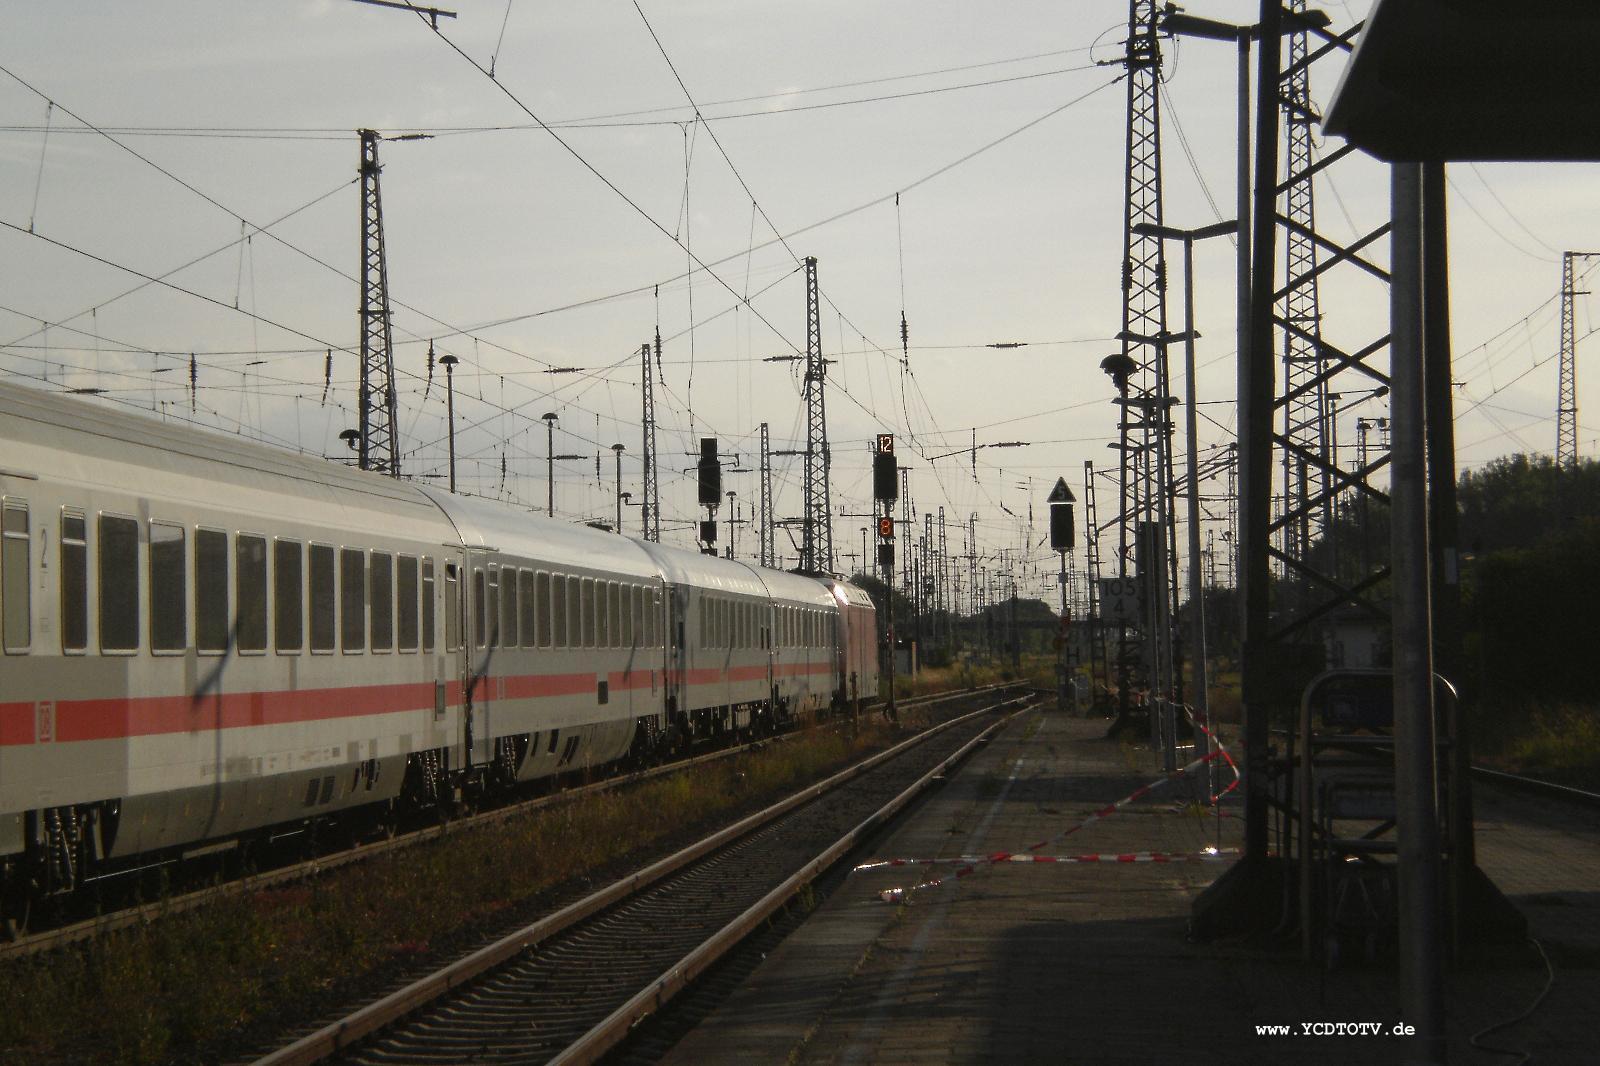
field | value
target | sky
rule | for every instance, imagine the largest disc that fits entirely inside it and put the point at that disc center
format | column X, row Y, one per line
column 961, row 165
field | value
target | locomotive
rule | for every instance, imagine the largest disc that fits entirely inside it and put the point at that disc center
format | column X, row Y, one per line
column 203, row 638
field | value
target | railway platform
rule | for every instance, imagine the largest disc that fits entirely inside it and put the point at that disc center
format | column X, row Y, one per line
column 1088, row 962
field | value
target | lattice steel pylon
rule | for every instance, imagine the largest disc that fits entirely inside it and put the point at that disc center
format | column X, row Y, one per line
column 1282, row 646
column 1567, row 383
column 378, row 446
column 1144, row 302
column 816, row 548
column 907, row 578
column 1305, row 410
column 652, row 484
column 769, row 555
column 1098, row 666
column 943, row 590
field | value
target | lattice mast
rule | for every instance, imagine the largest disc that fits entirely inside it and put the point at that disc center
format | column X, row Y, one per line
column 816, row 548
column 1567, row 386
column 652, row 484
column 1144, row 305
column 1305, row 382
column 769, row 556
column 907, row 516
column 378, row 446
column 1098, row 667
column 943, row 589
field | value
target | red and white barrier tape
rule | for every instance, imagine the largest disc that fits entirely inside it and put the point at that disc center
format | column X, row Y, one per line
column 1216, row 746
column 970, row 866
column 1208, row 855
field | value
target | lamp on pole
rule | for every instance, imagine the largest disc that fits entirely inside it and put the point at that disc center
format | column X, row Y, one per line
column 1197, row 611
column 617, row 448
column 550, row 462
column 449, row 363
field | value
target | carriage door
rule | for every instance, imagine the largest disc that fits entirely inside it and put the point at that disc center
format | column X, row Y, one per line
column 482, row 633
column 677, row 656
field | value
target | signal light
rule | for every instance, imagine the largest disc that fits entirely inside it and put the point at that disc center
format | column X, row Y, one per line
column 1061, row 527
column 709, row 473
column 885, row 483
column 886, row 528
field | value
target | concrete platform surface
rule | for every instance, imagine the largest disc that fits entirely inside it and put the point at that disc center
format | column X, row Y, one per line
column 1089, row 963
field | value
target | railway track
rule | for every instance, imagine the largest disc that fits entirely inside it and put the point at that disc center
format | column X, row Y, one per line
column 572, row 985
column 122, row 918
column 1537, row 786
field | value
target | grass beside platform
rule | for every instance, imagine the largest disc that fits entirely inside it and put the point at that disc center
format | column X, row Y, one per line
column 184, row 989
column 1559, row 743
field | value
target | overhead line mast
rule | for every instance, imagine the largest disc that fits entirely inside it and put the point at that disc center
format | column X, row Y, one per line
column 652, row 485
column 1567, row 388
column 1305, row 410
column 1144, row 327
column 817, row 545
column 769, row 557
column 377, row 446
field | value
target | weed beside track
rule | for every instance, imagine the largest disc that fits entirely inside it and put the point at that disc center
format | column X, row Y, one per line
column 214, row 982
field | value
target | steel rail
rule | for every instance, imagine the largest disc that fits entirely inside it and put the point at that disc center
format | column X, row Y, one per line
column 363, row 1022
column 1538, row 786
column 615, row 1028
column 99, row 925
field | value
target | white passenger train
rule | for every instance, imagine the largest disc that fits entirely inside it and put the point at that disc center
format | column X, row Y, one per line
column 205, row 638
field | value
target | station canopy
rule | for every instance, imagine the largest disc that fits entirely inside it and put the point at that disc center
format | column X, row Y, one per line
column 1474, row 80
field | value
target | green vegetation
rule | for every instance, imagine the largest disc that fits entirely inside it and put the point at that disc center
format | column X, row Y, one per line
column 1530, row 585
column 192, row 987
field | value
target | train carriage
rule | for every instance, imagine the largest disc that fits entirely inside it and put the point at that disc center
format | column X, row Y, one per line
column 203, row 635
column 564, row 651
column 204, row 638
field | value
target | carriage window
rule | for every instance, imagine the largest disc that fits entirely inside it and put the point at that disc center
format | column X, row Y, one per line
column 352, row 599
column 558, row 609
column 250, row 587
column 452, row 608
column 527, row 603
column 541, row 597
column 508, row 607
column 427, row 605
column 614, row 610
column 381, row 573
column 492, row 608
column 210, row 591
column 480, row 600
column 405, row 596
column 322, row 598
column 169, row 622
column 15, row 586
column 119, row 584
column 74, row 583
column 589, row 601
column 630, row 615
column 287, row 617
